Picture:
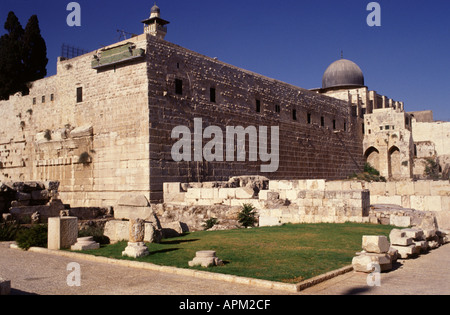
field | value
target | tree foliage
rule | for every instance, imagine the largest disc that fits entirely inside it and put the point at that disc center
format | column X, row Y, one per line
column 23, row 56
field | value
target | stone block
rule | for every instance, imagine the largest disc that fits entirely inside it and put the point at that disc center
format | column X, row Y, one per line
column 404, row 187
column 333, row 185
column 398, row 237
column 206, row 259
column 118, row 230
column 193, row 193
column 400, row 221
column 414, row 233
column 133, row 200
column 375, row 244
column 62, row 232
column 405, row 252
column 136, row 250
column 171, row 188
column 315, row 184
column 245, row 193
column 130, row 212
column 365, row 262
column 83, row 131
column 269, row 221
column 85, row 243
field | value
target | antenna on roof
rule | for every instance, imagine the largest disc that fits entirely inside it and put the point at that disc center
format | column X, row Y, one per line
column 342, row 54
column 123, row 35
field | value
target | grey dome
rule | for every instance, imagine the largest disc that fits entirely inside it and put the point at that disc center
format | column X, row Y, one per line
column 343, row 73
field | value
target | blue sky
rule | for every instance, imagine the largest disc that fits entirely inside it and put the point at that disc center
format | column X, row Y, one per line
column 407, row 58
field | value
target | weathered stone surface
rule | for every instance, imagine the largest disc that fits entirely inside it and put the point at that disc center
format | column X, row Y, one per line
column 137, row 231
column 62, row 232
column 83, row 131
column 136, row 250
column 414, row 233
column 85, row 243
column 405, row 252
column 133, row 200
column 400, row 221
column 375, row 244
column 398, row 237
column 205, row 259
column 365, row 261
column 117, row 230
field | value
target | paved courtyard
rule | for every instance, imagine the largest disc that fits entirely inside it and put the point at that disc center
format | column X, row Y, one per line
column 37, row 273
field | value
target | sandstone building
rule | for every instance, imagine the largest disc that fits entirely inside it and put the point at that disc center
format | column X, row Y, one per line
column 102, row 126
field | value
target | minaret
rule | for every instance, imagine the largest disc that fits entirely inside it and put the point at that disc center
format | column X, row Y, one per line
column 154, row 25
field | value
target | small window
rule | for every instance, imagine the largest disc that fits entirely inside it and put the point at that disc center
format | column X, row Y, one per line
column 43, row 99
column 277, row 109
column 363, row 129
column 178, row 65
column 178, row 86
column 79, row 95
column 386, row 127
column 294, row 114
column 34, row 100
column 52, row 97
column 334, row 124
column 322, row 121
column 212, row 95
column 381, row 127
column 309, row 119
column 258, row 106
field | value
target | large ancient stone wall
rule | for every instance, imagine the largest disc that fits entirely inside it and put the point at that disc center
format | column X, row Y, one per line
column 116, row 137
column 307, row 150
column 97, row 148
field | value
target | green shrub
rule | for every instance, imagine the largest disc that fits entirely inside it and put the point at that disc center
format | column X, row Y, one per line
column 247, row 216
column 371, row 170
column 8, row 231
column 36, row 236
column 210, row 223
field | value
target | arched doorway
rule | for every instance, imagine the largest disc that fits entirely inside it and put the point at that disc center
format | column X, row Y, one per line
column 373, row 157
column 394, row 163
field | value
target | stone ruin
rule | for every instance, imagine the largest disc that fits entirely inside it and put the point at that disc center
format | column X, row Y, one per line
column 136, row 247
column 28, row 202
column 402, row 244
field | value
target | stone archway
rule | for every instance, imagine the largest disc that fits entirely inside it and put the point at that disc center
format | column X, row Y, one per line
column 394, row 163
column 372, row 157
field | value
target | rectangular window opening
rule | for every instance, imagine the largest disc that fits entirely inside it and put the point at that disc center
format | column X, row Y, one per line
column 294, row 114
column 212, row 95
column 334, row 124
column 258, row 106
column 79, row 95
column 277, row 109
column 322, row 121
column 178, row 86
column 309, row 119
column 43, row 99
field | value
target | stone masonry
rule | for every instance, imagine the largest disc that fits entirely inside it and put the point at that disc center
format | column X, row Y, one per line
column 105, row 131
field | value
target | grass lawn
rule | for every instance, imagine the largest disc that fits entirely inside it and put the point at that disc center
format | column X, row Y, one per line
column 290, row 253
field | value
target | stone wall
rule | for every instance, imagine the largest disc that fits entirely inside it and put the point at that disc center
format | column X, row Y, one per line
column 307, row 150
column 97, row 147
column 103, row 132
column 296, row 201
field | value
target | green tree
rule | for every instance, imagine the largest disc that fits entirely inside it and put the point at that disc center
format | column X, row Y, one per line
column 11, row 52
column 23, row 56
column 34, row 51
